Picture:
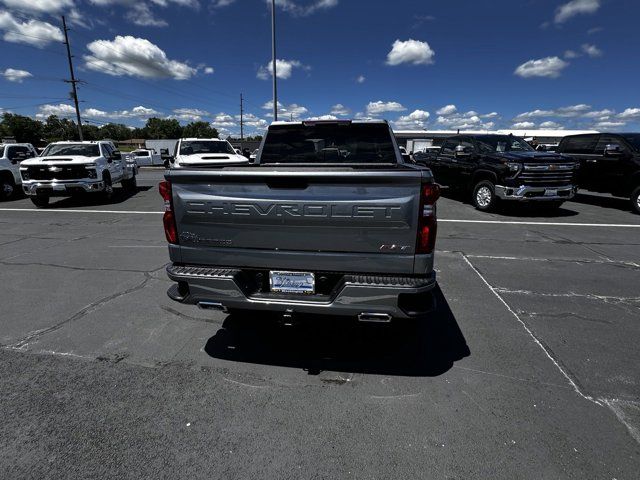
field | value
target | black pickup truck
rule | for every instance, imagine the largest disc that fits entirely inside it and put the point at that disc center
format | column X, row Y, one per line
column 503, row 167
column 609, row 163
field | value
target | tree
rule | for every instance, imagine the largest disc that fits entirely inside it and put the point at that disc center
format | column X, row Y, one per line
column 115, row 131
column 91, row 132
column 56, row 129
column 160, row 128
column 199, row 130
column 24, row 129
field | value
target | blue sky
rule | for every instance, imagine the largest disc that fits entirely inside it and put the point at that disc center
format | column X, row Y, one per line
column 420, row 64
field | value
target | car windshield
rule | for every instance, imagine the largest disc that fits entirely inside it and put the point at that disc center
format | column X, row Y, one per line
column 328, row 143
column 195, row 147
column 502, row 143
column 142, row 154
column 77, row 149
column 633, row 139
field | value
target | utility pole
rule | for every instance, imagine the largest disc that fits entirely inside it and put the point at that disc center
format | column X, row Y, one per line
column 273, row 60
column 73, row 80
column 241, row 119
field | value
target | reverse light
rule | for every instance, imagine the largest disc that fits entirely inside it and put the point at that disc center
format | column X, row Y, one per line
column 169, row 218
column 427, row 221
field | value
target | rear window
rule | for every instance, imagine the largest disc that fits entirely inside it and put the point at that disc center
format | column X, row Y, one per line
column 332, row 143
column 581, row 144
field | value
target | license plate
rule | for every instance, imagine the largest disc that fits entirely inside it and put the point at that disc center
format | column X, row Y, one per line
column 551, row 193
column 292, row 282
column 59, row 188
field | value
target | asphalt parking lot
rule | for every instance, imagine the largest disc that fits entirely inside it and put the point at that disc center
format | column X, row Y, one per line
column 530, row 368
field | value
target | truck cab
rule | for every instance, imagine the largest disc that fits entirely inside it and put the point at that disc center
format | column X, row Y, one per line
column 11, row 155
column 609, row 163
column 503, row 167
column 70, row 168
column 206, row 152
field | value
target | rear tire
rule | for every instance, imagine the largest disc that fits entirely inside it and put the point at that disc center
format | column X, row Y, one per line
column 484, row 196
column 7, row 188
column 40, row 201
column 635, row 200
column 130, row 185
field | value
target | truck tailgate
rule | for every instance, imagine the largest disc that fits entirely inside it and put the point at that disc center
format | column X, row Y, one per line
column 315, row 219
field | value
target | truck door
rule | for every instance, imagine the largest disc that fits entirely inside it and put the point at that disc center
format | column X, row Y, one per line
column 443, row 162
column 610, row 169
column 583, row 149
column 465, row 162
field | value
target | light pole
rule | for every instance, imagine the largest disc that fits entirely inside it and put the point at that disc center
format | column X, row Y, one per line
column 273, row 60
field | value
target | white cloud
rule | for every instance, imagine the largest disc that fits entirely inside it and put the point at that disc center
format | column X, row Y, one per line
column 410, row 51
column 14, row 75
column 339, row 109
column 324, row 117
column 489, row 115
column 136, row 112
column 141, row 14
column 295, row 8
column 38, row 6
column 535, row 113
column 222, row 3
column 591, row 50
column 466, row 120
column 551, row 125
column 570, row 54
column 136, row 57
column 572, row 110
column 189, row 114
column 208, row 70
column 284, row 69
column 416, row 119
column 630, row 113
column 600, row 114
column 447, row 110
column 549, row 67
column 60, row 110
column 31, row 32
column 361, row 79
column 575, row 7
column 293, row 110
column 376, row 108
column 608, row 125
column 523, row 125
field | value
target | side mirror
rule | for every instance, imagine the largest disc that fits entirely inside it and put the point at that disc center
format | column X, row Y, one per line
column 612, row 150
column 462, row 151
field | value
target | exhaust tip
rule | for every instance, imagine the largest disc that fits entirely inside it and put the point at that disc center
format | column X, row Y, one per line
column 212, row 306
column 374, row 317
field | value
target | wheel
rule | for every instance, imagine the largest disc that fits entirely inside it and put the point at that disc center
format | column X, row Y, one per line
column 130, row 185
column 107, row 193
column 484, row 195
column 7, row 188
column 40, row 201
column 635, row 200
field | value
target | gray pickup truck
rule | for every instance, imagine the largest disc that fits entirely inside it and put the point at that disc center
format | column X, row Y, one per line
column 329, row 220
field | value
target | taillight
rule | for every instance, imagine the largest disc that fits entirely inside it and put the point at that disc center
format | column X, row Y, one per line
column 169, row 219
column 427, row 221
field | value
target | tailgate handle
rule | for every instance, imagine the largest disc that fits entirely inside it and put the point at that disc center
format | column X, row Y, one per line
column 290, row 183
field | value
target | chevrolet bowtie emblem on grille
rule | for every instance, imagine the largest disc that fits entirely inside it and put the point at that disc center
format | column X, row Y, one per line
column 55, row 169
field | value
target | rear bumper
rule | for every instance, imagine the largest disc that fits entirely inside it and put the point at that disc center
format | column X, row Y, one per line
column 62, row 188
column 526, row 193
column 365, row 296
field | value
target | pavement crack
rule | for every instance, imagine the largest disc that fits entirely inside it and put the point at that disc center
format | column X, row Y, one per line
column 609, row 299
column 545, row 348
column 92, row 307
column 71, row 267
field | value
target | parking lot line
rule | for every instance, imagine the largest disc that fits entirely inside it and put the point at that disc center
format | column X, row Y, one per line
column 443, row 220
column 549, row 224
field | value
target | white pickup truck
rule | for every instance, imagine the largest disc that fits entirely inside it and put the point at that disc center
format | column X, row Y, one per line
column 69, row 168
column 206, row 152
column 146, row 157
column 11, row 154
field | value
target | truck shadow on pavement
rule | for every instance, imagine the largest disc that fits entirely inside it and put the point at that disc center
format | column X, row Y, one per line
column 603, row 201
column 120, row 195
column 405, row 348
